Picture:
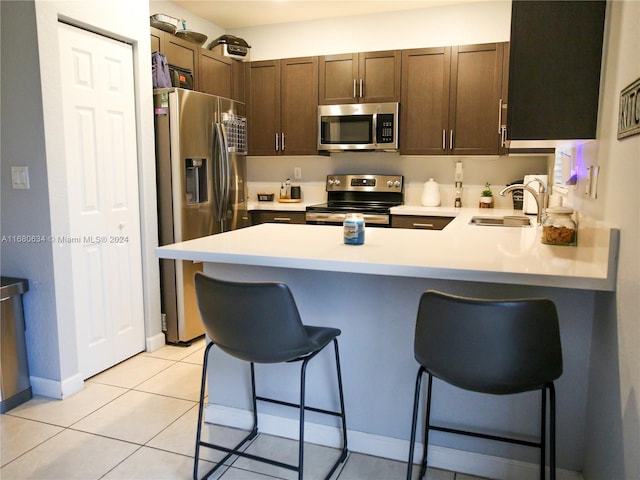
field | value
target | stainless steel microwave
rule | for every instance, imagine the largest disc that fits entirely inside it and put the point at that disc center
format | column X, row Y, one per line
column 364, row 126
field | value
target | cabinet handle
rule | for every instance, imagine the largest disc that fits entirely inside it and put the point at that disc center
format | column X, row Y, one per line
column 281, row 219
column 444, row 139
column 361, row 88
column 423, row 225
column 503, row 136
column 277, row 142
column 354, row 88
column 283, row 141
column 451, row 140
column 500, row 117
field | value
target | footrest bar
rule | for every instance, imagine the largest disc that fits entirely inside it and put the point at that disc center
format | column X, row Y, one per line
column 295, row 405
column 486, row 436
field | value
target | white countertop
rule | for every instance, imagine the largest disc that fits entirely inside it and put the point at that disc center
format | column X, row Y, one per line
column 461, row 251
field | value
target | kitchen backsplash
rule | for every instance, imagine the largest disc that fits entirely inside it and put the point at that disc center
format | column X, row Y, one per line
column 266, row 173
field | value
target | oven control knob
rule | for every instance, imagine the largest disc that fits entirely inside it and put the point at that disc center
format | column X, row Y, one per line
column 397, row 184
column 330, row 182
column 390, row 183
column 337, row 182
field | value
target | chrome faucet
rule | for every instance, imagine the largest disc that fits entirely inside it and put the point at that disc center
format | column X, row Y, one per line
column 540, row 196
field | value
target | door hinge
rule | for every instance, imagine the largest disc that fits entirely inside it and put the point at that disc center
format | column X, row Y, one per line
column 163, row 321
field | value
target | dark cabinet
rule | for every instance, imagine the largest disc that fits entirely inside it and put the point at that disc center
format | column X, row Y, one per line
column 277, row 216
column 213, row 73
column 282, row 99
column 451, row 100
column 367, row 77
column 420, row 222
column 554, row 70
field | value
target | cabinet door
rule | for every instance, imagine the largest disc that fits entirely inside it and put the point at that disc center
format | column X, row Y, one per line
column 476, row 81
column 338, row 79
column 424, row 109
column 264, row 107
column 157, row 39
column 379, row 77
column 275, row 216
column 215, row 74
column 183, row 54
column 554, row 77
column 238, row 81
column 419, row 222
column 299, row 106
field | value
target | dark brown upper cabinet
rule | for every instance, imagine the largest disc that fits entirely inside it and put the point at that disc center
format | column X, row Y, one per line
column 451, row 100
column 368, row 77
column 213, row 73
column 282, row 105
column 554, row 70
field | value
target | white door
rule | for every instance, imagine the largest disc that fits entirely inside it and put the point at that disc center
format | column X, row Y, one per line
column 104, row 218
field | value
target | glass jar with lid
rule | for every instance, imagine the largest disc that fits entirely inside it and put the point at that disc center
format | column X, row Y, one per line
column 353, row 226
column 559, row 227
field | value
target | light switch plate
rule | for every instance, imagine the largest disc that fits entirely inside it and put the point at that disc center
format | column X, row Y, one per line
column 20, row 178
column 587, row 187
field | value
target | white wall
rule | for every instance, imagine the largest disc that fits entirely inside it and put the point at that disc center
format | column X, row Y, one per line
column 26, row 212
column 613, row 428
column 481, row 22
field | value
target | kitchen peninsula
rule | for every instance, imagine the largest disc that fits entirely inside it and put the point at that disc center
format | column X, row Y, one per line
column 371, row 293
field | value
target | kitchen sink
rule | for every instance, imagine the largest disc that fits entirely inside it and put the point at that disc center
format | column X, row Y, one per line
column 506, row 221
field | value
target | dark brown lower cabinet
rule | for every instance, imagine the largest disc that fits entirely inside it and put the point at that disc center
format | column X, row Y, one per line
column 420, row 222
column 276, row 216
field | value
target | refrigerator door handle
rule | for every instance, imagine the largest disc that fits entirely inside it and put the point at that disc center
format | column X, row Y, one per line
column 220, row 158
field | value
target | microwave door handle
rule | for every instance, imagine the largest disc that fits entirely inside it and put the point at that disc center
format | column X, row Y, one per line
column 375, row 129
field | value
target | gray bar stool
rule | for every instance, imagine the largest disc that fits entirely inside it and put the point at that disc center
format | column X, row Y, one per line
column 489, row 346
column 260, row 323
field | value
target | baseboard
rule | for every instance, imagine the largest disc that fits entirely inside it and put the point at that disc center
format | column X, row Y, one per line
column 155, row 342
column 56, row 388
column 386, row 447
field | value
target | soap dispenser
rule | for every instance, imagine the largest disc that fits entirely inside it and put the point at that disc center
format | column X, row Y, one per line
column 431, row 194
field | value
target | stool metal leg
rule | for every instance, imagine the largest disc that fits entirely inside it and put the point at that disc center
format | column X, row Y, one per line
column 303, row 371
column 543, row 433
column 203, row 383
column 230, row 451
column 414, row 421
column 236, row 450
column 552, row 430
column 343, row 415
column 427, row 426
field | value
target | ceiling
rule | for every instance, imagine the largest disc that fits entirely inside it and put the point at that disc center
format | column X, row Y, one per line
column 233, row 14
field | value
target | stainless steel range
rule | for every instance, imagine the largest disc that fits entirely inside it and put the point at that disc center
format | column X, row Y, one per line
column 371, row 195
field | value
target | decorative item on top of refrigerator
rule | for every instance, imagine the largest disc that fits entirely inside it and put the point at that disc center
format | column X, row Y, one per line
column 201, row 174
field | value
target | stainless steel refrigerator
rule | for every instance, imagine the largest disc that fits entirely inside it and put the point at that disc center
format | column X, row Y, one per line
column 201, row 174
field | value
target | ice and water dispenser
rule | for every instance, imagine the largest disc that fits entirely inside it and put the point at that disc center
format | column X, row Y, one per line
column 196, row 180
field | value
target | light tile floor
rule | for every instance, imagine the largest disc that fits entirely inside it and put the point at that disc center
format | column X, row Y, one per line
column 138, row 419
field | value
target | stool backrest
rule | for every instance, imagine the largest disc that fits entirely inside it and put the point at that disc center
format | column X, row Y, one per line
column 490, row 346
column 257, row 322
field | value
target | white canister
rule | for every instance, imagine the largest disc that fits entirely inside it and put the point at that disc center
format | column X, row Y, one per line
column 431, row 194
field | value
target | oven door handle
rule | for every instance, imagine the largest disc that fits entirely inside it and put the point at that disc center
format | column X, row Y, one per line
column 373, row 218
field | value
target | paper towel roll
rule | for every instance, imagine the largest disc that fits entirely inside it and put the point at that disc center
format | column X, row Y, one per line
column 529, row 204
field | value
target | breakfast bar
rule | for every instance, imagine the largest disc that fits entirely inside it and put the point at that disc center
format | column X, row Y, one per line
column 371, row 293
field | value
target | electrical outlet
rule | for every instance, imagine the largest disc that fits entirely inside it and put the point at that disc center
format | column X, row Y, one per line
column 297, row 173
